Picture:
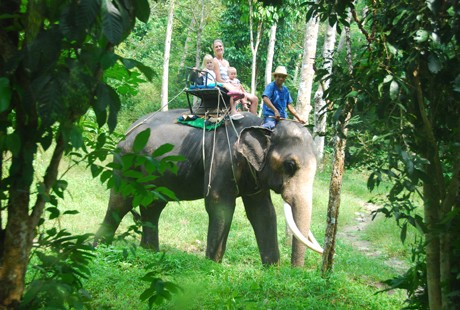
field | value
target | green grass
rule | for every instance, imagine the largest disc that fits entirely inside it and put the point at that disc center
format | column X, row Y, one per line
column 240, row 282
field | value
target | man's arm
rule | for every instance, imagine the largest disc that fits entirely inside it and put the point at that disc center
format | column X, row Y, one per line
column 294, row 112
column 269, row 104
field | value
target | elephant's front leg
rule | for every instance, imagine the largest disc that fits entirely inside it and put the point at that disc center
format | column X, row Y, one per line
column 220, row 212
column 261, row 213
column 118, row 207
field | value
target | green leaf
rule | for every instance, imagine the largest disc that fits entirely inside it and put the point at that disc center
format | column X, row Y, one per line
column 127, row 161
column 147, row 178
column 167, row 192
column 131, row 63
column 5, row 94
column 112, row 24
column 95, row 170
column 76, row 136
column 394, row 90
column 72, row 212
column 163, row 149
column 114, row 108
column 88, row 11
column 434, row 65
column 50, row 103
column 388, row 78
column 13, row 143
column 133, row 174
column 108, row 60
column 172, row 287
column 141, row 140
column 59, row 188
column 142, row 10
column 105, row 176
column 403, row 232
column 457, row 83
column 54, row 212
column 421, row 36
column 101, row 103
column 393, row 50
column 46, row 139
column 352, row 94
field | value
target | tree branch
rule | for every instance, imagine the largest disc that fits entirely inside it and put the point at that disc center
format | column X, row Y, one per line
column 49, row 179
column 360, row 26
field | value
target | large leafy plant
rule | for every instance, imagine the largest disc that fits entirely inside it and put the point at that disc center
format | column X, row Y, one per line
column 406, row 84
column 54, row 54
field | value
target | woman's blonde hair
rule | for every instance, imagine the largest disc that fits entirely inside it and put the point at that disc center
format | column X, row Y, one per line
column 217, row 41
column 206, row 58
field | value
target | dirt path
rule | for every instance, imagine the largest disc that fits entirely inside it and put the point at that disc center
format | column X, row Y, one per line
column 354, row 234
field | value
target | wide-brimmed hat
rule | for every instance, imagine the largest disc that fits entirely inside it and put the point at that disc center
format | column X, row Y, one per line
column 280, row 70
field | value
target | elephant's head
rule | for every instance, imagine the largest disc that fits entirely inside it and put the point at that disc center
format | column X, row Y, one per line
column 286, row 163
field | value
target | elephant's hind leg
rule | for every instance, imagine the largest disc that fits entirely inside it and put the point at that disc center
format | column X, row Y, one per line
column 117, row 209
column 150, row 216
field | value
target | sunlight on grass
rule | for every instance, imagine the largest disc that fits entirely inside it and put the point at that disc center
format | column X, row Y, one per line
column 240, row 282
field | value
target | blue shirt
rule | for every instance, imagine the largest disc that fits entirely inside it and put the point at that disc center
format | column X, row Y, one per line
column 279, row 97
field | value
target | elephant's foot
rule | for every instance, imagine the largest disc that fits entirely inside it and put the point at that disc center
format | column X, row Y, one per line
column 148, row 243
column 216, row 256
column 104, row 235
column 270, row 260
column 152, row 247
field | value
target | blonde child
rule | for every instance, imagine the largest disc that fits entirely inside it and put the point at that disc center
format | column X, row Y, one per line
column 232, row 75
column 208, row 66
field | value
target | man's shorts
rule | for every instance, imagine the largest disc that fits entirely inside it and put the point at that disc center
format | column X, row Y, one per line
column 269, row 122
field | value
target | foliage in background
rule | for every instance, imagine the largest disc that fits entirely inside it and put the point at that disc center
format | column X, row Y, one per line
column 222, row 20
column 290, row 31
column 53, row 58
column 147, row 45
column 406, row 83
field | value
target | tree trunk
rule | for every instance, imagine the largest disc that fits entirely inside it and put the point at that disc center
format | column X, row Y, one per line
column 307, row 72
column 270, row 54
column 451, row 202
column 16, row 249
column 298, row 63
column 342, row 40
column 186, row 45
column 198, row 35
column 19, row 231
column 335, row 187
column 432, row 189
column 167, row 54
column 320, row 104
column 254, row 46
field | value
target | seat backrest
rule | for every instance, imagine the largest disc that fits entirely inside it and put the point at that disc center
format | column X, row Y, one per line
column 196, row 78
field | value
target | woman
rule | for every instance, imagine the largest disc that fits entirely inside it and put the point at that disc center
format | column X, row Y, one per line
column 221, row 66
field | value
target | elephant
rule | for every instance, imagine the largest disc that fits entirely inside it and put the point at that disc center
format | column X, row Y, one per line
column 238, row 159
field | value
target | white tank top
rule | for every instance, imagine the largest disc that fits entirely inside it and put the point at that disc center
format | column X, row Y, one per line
column 223, row 71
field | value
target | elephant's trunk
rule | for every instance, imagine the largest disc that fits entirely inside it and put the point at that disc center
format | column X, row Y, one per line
column 310, row 241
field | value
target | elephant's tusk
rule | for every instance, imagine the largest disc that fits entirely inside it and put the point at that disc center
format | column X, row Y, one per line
column 313, row 239
column 313, row 244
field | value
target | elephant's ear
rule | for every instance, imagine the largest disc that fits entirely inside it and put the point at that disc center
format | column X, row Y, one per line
column 253, row 144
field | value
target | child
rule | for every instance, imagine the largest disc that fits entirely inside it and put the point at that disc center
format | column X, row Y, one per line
column 208, row 66
column 232, row 74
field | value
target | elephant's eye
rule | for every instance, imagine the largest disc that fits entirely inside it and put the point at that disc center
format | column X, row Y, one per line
column 290, row 167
